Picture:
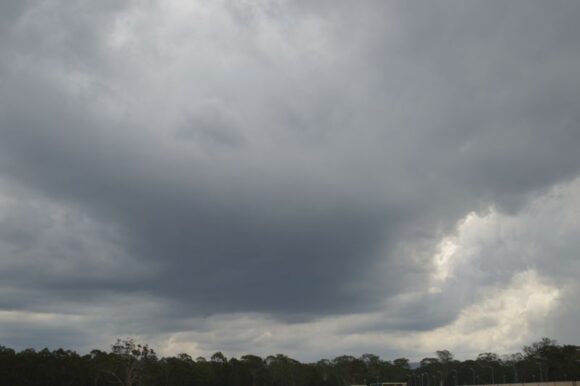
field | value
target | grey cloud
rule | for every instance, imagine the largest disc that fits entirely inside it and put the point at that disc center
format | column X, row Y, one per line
column 211, row 123
column 336, row 137
column 22, row 336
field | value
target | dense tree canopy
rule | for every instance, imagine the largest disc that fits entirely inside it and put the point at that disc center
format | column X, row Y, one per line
column 131, row 364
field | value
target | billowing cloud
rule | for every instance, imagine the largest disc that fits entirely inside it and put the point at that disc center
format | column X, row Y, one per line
column 371, row 168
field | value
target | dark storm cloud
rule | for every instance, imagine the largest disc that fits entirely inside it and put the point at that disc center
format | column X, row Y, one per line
column 282, row 159
column 23, row 335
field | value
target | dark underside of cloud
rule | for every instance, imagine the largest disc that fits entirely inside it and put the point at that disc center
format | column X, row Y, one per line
column 279, row 159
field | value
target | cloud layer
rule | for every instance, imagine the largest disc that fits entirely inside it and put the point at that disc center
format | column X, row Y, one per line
column 257, row 175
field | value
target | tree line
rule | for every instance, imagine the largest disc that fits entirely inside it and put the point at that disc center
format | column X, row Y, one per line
column 131, row 364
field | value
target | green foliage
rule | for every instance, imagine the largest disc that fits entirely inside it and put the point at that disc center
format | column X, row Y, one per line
column 402, row 363
column 132, row 364
column 444, row 356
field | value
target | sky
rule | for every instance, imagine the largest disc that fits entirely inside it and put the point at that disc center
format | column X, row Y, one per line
column 313, row 178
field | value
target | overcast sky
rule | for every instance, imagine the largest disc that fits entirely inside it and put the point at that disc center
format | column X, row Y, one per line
column 314, row 178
